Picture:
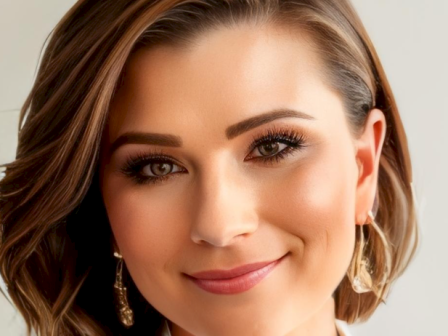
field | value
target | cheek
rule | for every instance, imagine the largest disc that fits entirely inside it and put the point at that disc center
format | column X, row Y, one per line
column 317, row 204
column 149, row 234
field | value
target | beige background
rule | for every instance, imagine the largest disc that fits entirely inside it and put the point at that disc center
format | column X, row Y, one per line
column 411, row 39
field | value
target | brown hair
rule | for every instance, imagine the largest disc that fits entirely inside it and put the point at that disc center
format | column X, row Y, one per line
column 56, row 251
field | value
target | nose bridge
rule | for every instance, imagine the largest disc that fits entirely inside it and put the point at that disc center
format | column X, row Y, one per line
column 224, row 207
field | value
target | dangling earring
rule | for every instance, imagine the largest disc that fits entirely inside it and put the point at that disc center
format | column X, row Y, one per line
column 360, row 270
column 124, row 312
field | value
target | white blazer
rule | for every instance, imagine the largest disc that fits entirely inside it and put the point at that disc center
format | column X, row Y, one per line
column 341, row 327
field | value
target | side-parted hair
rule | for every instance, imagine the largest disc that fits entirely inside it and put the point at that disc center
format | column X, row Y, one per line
column 56, row 254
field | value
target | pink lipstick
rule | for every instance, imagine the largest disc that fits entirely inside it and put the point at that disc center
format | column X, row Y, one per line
column 236, row 280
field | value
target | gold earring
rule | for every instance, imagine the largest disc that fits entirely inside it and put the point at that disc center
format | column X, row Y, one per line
column 360, row 270
column 124, row 312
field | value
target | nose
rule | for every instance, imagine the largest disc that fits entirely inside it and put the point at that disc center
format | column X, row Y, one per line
column 225, row 211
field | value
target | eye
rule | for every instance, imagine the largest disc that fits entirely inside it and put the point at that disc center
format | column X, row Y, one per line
column 269, row 149
column 158, row 168
column 150, row 168
column 274, row 145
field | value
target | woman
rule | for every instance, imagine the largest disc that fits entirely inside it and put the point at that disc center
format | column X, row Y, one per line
column 199, row 167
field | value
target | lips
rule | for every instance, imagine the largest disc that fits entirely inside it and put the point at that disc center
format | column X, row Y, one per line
column 236, row 280
column 234, row 272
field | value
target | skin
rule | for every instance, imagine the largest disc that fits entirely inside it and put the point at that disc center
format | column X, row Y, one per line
column 227, row 209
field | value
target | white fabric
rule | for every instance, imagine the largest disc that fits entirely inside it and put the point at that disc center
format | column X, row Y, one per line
column 341, row 326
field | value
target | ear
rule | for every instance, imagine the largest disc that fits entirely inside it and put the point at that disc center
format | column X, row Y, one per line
column 368, row 153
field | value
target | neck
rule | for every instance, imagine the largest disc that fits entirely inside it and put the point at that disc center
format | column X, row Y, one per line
column 320, row 324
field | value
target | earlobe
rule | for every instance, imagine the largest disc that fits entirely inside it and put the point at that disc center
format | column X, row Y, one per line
column 368, row 152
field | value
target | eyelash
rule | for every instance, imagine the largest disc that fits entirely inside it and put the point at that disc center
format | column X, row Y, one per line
column 294, row 141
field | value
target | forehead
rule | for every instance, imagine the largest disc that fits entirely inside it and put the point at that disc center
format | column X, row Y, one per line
column 230, row 74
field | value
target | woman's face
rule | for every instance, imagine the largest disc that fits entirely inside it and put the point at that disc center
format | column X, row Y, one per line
column 221, row 201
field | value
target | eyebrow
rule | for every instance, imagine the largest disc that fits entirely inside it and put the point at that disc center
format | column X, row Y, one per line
column 231, row 132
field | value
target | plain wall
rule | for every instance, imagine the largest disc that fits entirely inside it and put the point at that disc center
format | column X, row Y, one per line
column 411, row 40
